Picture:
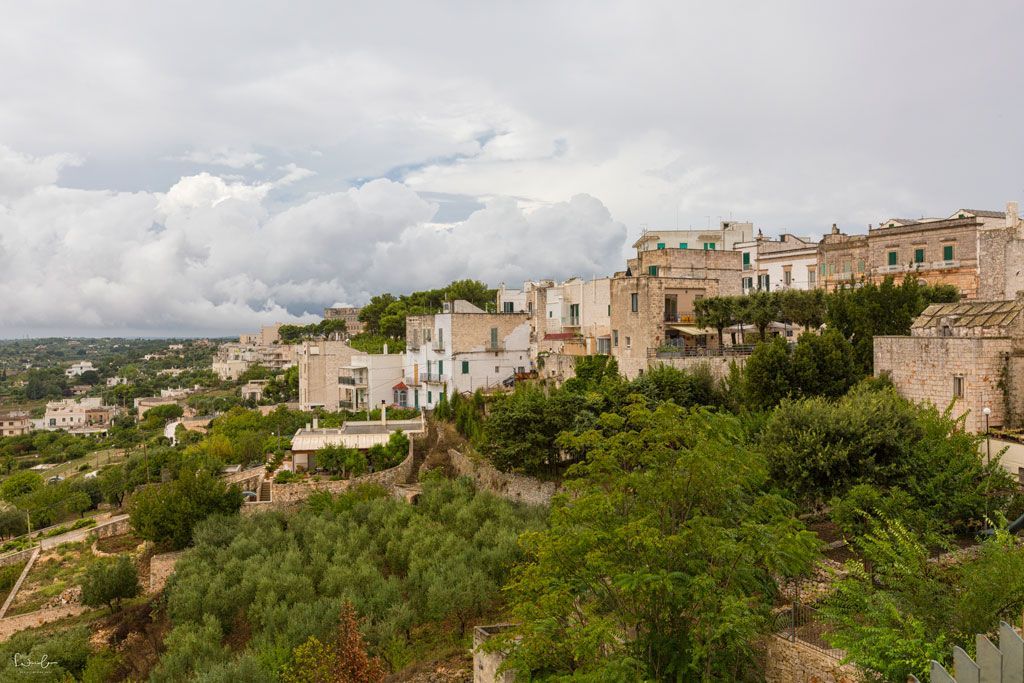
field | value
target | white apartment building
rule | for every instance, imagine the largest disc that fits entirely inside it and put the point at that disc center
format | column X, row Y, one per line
column 463, row 349
column 263, row 348
column 572, row 317
column 114, row 381
column 773, row 265
column 371, row 379
column 71, row 414
column 79, row 368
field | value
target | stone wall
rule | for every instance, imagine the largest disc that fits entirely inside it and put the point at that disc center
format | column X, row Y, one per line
column 11, row 625
column 792, row 661
column 1000, row 256
column 922, row 368
column 16, row 557
column 513, row 487
column 114, row 528
column 486, row 664
column 717, row 365
column 160, row 569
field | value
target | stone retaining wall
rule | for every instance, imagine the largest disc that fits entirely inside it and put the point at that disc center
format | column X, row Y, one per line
column 16, row 557
column 160, row 569
column 514, row 487
column 793, row 661
column 718, row 366
column 12, row 625
column 115, row 528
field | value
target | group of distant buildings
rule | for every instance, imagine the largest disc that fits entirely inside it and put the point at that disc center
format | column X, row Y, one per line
column 645, row 315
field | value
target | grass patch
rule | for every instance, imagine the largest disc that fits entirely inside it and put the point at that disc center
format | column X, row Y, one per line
column 118, row 544
column 54, row 572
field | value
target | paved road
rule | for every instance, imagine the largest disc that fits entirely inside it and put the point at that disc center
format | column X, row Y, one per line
column 76, row 535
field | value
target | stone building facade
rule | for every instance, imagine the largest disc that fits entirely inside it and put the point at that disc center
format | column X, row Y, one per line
column 1001, row 257
column 842, row 259
column 15, row 423
column 969, row 355
column 320, row 367
column 350, row 314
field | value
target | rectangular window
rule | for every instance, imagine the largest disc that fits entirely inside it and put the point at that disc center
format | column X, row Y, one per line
column 465, row 367
column 847, row 266
column 615, row 337
column 440, row 368
column 947, row 252
column 709, row 246
column 494, row 337
column 860, row 266
column 634, row 302
column 787, row 277
column 919, row 256
column 508, row 307
column 682, row 245
column 958, row 386
column 892, row 258
column 628, row 344
column 822, row 268
column 811, row 273
column 661, row 245
column 746, row 258
column 430, row 397
column 652, row 270
column 609, row 309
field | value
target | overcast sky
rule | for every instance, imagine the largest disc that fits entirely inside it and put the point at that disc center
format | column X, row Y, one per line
column 201, row 168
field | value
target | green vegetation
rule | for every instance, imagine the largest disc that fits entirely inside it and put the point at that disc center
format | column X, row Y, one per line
column 638, row 546
column 108, row 581
column 281, row 579
column 167, row 513
column 385, row 314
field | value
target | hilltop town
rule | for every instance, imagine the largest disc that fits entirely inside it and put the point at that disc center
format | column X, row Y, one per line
column 813, row 445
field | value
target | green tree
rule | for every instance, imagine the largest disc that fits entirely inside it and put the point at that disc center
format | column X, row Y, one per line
column 718, row 312
column 113, row 484
column 659, row 560
column 108, row 581
column 767, row 377
column 760, row 309
column 167, row 513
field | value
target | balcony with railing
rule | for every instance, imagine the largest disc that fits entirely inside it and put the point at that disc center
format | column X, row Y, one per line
column 345, row 405
column 437, row 345
column 570, row 321
column 494, row 346
column 432, row 377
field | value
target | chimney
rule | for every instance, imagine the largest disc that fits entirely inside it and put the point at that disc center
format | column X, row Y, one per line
column 383, row 412
column 1012, row 214
column 835, row 229
column 316, row 423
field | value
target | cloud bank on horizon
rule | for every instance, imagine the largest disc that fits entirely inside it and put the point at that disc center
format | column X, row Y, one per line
column 214, row 256
column 204, row 167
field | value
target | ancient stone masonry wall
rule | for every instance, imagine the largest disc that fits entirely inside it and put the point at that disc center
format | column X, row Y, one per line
column 1001, row 264
column 115, row 528
column 513, row 487
column 16, row 558
column 718, row 366
column 923, row 368
column 793, row 661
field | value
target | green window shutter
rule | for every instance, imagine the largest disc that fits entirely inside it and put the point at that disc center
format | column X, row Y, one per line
column 919, row 256
column 661, row 245
column 652, row 270
column 465, row 367
column 746, row 258
column 430, row 397
column 892, row 258
column 440, row 367
column 947, row 252
column 822, row 268
column 682, row 245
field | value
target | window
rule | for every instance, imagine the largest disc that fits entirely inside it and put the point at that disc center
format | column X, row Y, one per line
column 609, row 309
column 494, row 337
column 465, row 367
column 860, row 266
column 958, row 386
column 947, row 252
column 508, row 307
column 746, row 260
column 787, row 277
column 892, row 258
column 811, row 273
column 426, row 335
column 682, row 245
column 652, row 270
column 604, row 345
column 551, row 314
column 634, row 302
column 748, row 283
column 629, row 345
column 661, row 245
column 615, row 337
column 709, row 246
column 497, row 369
column 430, row 397
column 822, row 268
column 847, row 266
column 440, row 368
column 919, row 256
